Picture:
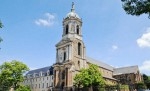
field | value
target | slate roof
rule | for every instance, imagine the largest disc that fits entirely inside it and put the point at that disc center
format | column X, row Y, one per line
column 99, row 63
column 126, row 70
column 43, row 70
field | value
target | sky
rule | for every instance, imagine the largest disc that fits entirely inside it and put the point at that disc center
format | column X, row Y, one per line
column 32, row 28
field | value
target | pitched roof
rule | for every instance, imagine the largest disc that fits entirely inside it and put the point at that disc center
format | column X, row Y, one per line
column 126, row 70
column 111, row 78
column 99, row 63
column 63, row 41
column 43, row 70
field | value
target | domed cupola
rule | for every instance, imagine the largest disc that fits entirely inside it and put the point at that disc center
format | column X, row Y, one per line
column 72, row 14
column 72, row 25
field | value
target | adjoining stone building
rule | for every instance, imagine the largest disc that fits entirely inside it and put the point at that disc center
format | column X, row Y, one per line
column 71, row 57
column 127, row 75
column 40, row 79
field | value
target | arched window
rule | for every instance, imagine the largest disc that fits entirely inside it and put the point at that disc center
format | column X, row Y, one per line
column 67, row 28
column 64, row 56
column 79, row 64
column 77, row 29
column 79, row 48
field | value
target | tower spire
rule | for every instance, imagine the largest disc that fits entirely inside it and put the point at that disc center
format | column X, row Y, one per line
column 72, row 9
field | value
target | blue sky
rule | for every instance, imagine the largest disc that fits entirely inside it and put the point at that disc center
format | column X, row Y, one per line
column 33, row 27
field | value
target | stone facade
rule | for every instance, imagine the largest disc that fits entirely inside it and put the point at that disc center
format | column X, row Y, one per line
column 70, row 57
column 127, row 75
column 40, row 79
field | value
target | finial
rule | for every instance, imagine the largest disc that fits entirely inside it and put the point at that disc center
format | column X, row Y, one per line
column 72, row 9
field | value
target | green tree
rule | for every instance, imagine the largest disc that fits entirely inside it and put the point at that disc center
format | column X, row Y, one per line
column 23, row 88
column 89, row 77
column 140, row 85
column 1, row 39
column 146, row 80
column 11, row 74
column 1, row 25
column 136, row 7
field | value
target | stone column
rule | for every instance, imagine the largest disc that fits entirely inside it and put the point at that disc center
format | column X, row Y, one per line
column 57, row 60
column 56, row 72
column 54, row 78
column 70, row 78
column 70, row 52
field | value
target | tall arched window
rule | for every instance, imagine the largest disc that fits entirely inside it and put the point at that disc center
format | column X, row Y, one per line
column 77, row 29
column 67, row 28
column 79, row 48
column 64, row 56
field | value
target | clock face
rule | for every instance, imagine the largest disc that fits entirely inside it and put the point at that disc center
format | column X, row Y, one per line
column 62, row 54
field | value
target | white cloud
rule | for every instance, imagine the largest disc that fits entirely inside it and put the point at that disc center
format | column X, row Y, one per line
column 47, row 21
column 145, row 66
column 144, row 40
column 114, row 47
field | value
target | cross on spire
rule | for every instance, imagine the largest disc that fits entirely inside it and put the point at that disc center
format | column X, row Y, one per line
column 72, row 9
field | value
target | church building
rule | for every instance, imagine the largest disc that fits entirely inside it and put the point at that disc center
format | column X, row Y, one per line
column 71, row 57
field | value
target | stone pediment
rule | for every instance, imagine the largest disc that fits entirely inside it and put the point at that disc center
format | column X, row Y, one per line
column 63, row 41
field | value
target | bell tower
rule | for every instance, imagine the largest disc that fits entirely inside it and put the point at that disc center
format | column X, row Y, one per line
column 70, row 51
column 72, row 24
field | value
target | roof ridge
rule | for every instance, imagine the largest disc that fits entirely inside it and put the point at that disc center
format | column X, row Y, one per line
column 99, row 63
column 40, row 68
column 127, row 66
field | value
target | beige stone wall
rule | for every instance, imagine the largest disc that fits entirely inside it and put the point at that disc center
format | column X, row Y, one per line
column 110, row 82
column 130, row 78
column 106, row 72
column 65, row 70
column 11, row 89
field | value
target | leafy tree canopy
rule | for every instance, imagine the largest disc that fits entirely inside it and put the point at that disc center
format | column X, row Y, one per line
column 1, row 25
column 136, row 7
column 89, row 77
column 11, row 74
column 140, row 85
column 146, row 80
column 23, row 88
column 1, row 39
